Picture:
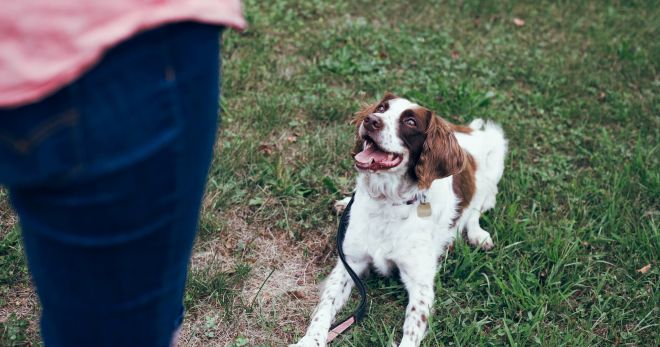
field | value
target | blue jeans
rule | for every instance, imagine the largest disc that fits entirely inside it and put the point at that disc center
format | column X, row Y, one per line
column 107, row 177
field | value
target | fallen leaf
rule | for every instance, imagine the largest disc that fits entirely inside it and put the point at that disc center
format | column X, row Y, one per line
column 266, row 149
column 644, row 269
column 292, row 138
column 296, row 294
column 518, row 22
column 650, row 213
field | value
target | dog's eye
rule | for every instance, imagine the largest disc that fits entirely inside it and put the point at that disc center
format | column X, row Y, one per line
column 381, row 108
column 411, row 122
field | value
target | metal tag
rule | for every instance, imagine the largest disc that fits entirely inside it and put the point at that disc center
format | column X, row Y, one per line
column 424, row 209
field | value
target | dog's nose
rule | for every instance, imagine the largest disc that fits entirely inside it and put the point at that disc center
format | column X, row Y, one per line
column 373, row 123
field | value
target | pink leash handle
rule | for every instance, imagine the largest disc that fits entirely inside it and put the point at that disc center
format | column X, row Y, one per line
column 340, row 328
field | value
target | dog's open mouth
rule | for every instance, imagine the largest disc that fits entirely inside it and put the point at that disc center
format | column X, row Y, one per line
column 374, row 158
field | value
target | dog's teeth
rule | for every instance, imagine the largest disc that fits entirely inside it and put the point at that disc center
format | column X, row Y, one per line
column 390, row 157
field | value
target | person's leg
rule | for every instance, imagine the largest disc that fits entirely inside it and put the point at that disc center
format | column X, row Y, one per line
column 107, row 178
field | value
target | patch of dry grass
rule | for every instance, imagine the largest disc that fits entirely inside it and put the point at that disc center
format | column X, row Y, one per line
column 274, row 301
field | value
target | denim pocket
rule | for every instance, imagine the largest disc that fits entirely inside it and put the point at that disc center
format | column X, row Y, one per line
column 128, row 105
column 39, row 143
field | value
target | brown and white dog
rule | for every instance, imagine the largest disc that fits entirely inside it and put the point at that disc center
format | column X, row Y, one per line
column 405, row 155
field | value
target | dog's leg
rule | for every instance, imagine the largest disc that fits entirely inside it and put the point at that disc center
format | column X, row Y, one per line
column 476, row 236
column 335, row 293
column 418, row 276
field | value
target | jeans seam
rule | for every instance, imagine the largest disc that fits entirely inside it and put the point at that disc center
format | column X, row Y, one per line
column 170, row 75
column 24, row 145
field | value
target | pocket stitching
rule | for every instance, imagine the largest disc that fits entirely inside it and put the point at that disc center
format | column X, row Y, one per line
column 23, row 145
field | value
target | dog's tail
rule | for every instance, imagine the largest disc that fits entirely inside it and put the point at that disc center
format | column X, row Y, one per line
column 477, row 124
column 497, row 148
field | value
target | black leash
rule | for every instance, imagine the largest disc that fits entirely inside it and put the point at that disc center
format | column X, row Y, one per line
column 360, row 311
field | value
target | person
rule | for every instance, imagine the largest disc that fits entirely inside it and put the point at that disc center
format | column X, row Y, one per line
column 108, row 115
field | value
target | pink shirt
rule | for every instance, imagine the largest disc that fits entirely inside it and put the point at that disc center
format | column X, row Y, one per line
column 46, row 44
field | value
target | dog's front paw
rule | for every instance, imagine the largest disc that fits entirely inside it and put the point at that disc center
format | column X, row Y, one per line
column 309, row 341
column 480, row 238
column 407, row 343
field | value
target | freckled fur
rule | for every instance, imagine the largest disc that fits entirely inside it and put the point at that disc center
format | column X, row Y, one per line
column 457, row 167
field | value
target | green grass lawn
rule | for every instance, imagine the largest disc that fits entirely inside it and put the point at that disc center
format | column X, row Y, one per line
column 576, row 88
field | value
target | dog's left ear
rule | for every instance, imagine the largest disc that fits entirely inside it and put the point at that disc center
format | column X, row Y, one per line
column 441, row 154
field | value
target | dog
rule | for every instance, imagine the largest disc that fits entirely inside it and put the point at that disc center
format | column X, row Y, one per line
column 421, row 180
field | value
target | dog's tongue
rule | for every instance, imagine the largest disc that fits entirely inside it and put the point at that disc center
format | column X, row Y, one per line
column 371, row 154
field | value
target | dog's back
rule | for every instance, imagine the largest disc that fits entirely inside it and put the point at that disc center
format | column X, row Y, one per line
column 487, row 145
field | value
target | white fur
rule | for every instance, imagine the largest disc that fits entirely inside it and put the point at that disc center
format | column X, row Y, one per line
column 384, row 232
column 488, row 147
column 388, row 138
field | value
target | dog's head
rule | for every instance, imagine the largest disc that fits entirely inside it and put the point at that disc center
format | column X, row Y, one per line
column 399, row 137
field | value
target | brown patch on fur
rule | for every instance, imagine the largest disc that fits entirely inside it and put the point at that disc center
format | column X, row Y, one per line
column 359, row 117
column 460, row 128
column 464, row 184
column 414, row 136
column 441, row 156
column 424, row 319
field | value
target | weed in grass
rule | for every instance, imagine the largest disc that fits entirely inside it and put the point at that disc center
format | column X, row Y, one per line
column 13, row 268
column 13, row 331
column 214, row 288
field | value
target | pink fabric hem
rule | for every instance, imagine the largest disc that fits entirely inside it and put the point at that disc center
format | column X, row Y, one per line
column 44, row 79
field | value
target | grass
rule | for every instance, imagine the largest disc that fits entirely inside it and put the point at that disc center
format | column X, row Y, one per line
column 576, row 89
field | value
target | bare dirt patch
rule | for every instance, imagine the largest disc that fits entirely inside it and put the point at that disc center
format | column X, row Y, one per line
column 276, row 298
